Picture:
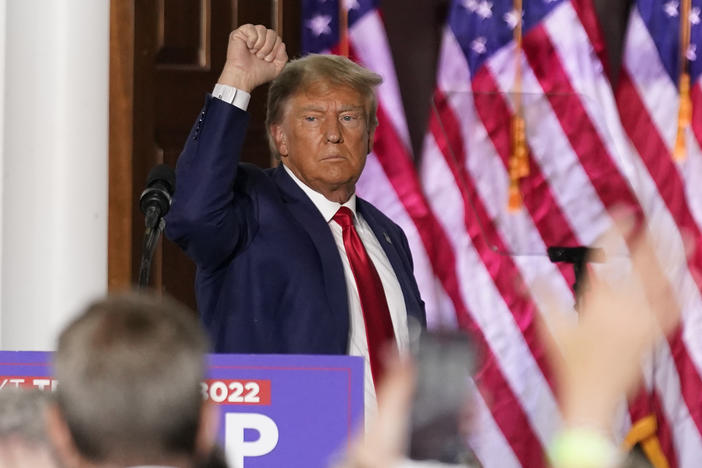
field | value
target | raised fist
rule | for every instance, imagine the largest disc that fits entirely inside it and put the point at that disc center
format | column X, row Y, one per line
column 255, row 55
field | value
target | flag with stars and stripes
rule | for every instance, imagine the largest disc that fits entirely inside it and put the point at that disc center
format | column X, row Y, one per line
column 669, row 189
column 551, row 77
column 580, row 166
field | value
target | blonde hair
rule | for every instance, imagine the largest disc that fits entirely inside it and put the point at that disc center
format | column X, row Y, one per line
column 331, row 69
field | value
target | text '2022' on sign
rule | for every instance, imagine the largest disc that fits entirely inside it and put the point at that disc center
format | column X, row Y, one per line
column 237, row 392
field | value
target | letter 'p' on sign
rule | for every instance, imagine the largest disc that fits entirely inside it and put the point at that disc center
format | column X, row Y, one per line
column 237, row 448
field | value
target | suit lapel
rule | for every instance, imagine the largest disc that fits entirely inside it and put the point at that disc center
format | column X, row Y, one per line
column 391, row 244
column 311, row 220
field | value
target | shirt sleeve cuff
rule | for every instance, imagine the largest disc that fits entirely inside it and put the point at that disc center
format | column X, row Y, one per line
column 232, row 95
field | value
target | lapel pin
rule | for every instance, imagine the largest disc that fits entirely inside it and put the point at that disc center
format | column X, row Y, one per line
column 387, row 238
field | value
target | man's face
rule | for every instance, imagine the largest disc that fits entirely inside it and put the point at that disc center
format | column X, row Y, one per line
column 324, row 138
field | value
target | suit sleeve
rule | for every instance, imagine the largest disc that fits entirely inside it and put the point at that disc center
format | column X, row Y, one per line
column 204, row 220
column 415, row 288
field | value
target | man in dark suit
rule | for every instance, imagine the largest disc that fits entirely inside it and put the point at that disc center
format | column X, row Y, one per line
column 289, row 260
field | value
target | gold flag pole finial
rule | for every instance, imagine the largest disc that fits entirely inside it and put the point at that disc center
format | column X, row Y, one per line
column 519, row 159
column 685, row 108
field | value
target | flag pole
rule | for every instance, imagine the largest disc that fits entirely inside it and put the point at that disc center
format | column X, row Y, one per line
column 343, row 29
column 277, row 17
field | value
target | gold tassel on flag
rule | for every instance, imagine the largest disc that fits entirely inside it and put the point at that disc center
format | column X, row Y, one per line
column 519, row 147
column 645, row 432
column 518, row 162
column 343, row 29
column 684, row 117
column 685, row 109
column 519, row 159
column 515, row 198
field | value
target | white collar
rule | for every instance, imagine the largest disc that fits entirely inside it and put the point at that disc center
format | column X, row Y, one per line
column 325, row 206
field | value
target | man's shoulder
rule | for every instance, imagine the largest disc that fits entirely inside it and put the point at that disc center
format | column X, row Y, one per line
column 252, row 172
column 372, row 214
column 257, row 182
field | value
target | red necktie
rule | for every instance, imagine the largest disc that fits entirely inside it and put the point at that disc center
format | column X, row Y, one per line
column 370, row 290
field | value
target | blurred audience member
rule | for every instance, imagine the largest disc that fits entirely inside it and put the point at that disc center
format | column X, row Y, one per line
column 23, row 438
column 129, row 371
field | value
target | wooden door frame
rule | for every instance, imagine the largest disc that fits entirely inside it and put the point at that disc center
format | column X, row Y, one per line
column 121, row 144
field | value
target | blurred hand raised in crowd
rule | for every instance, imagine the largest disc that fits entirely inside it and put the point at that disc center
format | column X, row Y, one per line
column 385, row 440
column 597, row 359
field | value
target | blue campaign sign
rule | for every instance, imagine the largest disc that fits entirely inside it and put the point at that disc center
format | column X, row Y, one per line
column 275, row 410
column 289, row 410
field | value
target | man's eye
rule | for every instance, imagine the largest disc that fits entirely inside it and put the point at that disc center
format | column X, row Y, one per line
column 310, row 118
column 348, row 118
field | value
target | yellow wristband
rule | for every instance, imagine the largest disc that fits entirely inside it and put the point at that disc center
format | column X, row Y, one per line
column 583, row 448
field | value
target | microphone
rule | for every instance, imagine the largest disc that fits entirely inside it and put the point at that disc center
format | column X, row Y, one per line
column 155, row 200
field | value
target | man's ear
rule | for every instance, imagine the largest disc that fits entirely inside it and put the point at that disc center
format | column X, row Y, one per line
column 60, row 436
column 207, row 429
column 280, row 139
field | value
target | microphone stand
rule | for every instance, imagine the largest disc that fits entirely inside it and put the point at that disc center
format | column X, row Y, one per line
column 154, row 227
column 578, row 257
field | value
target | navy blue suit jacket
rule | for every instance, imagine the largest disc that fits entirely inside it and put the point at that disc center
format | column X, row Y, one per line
column 269, row 275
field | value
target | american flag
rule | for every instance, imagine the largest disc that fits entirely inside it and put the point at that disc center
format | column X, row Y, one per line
column 670, row 192
column 478, row 262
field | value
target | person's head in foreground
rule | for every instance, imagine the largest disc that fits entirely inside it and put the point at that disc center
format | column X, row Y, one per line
column 23, row 438
column 129, row 371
